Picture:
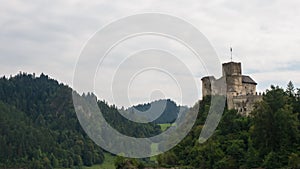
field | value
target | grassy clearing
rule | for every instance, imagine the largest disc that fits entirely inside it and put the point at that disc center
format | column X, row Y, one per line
column 110, row 160
column 164, row 126
column 93, row 167
column 107, row 164
column 154, row 148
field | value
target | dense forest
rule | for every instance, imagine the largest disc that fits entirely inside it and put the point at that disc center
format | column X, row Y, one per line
column 268, row 138
column 39, row 127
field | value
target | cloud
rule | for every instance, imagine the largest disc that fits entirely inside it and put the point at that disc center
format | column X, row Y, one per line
column 47, row 36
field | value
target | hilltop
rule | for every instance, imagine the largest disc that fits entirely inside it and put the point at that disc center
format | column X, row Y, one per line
column 40, row 129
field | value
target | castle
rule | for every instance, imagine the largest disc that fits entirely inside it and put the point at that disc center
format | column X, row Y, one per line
column 240, row 89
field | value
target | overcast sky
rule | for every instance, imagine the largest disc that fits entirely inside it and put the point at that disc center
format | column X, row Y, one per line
column 47, row 36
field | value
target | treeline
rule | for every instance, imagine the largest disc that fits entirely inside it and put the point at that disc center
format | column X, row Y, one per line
column 39, row 127
column 269, row 138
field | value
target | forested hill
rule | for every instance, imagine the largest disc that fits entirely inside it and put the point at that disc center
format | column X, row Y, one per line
column 39, row 130
column 166, row 107
column 39, row 127
column 269, row 138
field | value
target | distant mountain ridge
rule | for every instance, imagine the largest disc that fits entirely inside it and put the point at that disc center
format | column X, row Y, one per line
column 166, row 109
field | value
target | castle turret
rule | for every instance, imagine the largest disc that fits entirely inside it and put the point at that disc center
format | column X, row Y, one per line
column 207, row 85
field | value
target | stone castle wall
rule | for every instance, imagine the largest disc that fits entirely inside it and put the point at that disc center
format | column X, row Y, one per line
column 244, row 104
column 240, row 90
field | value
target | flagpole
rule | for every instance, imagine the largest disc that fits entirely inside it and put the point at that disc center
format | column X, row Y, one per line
column 231, row 54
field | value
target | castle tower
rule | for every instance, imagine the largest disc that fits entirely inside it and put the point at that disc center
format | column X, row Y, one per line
column 232, row 68
column 233, row 73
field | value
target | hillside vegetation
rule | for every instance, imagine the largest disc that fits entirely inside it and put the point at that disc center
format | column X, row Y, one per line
column 39, row 127
column 269, row 138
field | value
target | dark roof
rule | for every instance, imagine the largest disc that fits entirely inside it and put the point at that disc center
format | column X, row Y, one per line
column 209, row 77
column 231, row 62
column 248, row 79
